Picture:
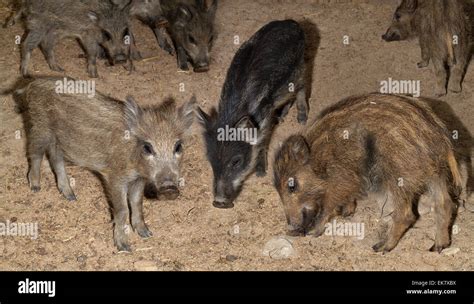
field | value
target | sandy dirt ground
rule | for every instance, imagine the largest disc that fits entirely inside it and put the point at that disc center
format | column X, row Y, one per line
column 189, row 233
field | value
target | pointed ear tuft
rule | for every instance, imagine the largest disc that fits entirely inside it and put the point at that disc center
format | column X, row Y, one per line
column 187, row 113
column 132, row 113
column 299, row 149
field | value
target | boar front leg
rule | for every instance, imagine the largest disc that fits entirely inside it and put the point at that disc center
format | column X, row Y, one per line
column 402, row 218
column 455, row 79
column 47, row 46
column 425, row 57
column 134, row 53
column 92, row 52
column 135, row 198
column 117, row 192
column 160, row 34
column 440, row 74
column 31, row 42
column 35, row 156
column 182, row 59
column 302, row 106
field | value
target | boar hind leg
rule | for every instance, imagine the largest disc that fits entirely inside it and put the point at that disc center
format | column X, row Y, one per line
column 135, row 198
column 402, row 219
column 261, row 165
column 425, row 57
column 117, row 193
column 31, row 42
column 35, row 156
column 47, row 46
column 444, row 209
column 302, row 106
column 455, row 79
column 182, row 59
column 57, row 163
column 440, row 75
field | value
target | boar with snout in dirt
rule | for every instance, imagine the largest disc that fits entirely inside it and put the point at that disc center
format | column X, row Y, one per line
column 127, row 145
column 97, row 24
column 191, row 27
column 443, row 30
column 392, row 146
column 265, row 78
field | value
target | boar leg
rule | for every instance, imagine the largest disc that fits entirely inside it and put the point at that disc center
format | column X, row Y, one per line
column 402, row 218
column 57, row 163
column 425, row 57
column 440, row 74
column 261, row 165
column 47, row 46
column 117, row 192
column 134, row 53
column 35, row 156
column 444, row 209
column 92, row 51
column 455, row 79
column 31, row 42
column 302, row 106
column 160, row 34
column 135, row 198
column 182, row 59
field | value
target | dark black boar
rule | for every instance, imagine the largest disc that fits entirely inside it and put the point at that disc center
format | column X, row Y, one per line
column 263, row 81
column 392, row 146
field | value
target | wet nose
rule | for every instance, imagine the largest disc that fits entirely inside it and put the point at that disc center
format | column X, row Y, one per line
column 384, row 37
column 201, row 67
column 168, row 191
column 222, row 204
column 120, row 58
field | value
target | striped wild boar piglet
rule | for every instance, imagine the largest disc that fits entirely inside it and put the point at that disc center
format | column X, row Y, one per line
column 391, row 146
column 98, row 24
column 265, row 78
column 443, row 30
column 127, row 145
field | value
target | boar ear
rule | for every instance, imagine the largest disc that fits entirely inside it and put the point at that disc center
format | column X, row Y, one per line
column 186, row 113
column 132, row 113
column 299, row 149
column 409, row 5
column 204, row 119
column 211, row 11
column 93, row 16
column 184, row 14
column 121, row 4
column 245, row 123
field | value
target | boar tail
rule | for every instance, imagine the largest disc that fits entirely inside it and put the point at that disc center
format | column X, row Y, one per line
column 449, row 44
column 454, row 168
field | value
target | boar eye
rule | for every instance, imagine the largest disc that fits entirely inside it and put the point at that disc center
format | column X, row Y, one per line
column 107, row 35
column 191, row 39
column 211, row 39
column 148, row 148
column 236, row 161
column 397, row 16
column 178, row 147
column 291, row 185
column 125, row 33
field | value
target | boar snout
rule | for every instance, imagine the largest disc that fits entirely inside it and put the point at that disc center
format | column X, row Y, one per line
column 120, row 58
column 391, row 35
column 302, row 224
column 168, row 191
column 201, row 67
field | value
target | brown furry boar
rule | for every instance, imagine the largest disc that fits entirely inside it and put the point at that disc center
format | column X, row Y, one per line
column 125, row 144
column 392, row 146
column 443, row 30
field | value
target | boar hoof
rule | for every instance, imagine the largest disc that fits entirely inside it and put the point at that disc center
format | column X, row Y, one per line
column 381, row 247
column 223, row 205
column 144, row 233
column 56, row 68
column 302, row 118
column 455, row 88
column 35, row 188
column 422, row 64
column 124, row 248
column 71, row 197
column 260, row 173
column 438, row 248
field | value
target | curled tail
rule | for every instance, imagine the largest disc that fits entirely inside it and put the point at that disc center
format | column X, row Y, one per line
column 454, row 168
